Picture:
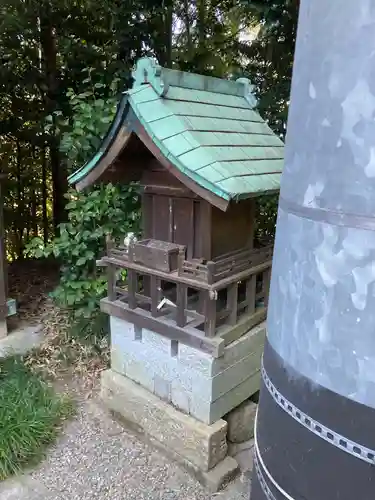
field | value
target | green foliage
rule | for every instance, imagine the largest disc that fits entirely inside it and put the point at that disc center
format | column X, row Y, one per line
column 30, row 414
column 266, row 215
column 270, row 58
column 106, row 210
column 92, row 113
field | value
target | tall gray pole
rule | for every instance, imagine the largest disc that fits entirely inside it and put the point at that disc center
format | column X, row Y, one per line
column 315, row 431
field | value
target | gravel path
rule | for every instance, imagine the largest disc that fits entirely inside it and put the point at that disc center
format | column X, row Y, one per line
column 97, row 459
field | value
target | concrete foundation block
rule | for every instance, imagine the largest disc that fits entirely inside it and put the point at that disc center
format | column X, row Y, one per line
column 205, row 387
column 199, row 446
column 241, row 422
column 124, row 327
column 210, row 411
column 236, row 448
column 162, row 388
column 179, row 397
column 243, row 453
column 251, row 342
column 137, row 371
column 220, row 475
column 156, row 341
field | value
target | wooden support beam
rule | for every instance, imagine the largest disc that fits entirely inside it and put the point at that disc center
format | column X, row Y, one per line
column 123, row 295
column 187, row 335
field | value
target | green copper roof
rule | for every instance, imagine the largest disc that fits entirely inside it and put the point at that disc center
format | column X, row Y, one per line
column 206, row 127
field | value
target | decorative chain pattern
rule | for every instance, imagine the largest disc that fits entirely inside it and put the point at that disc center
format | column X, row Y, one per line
column 320, row 430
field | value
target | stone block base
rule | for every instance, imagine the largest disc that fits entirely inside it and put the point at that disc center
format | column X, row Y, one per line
column 21, row 341
column 241, row 422
column 198, row 384
column 201, row 448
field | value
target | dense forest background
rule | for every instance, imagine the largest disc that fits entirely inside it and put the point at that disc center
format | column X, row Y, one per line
column 64, row 63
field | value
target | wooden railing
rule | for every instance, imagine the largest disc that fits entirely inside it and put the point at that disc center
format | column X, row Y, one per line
column 207, row 297
column 231, row 264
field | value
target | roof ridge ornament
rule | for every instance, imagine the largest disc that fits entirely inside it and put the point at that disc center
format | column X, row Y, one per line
column 248, row 91
column 147, row 70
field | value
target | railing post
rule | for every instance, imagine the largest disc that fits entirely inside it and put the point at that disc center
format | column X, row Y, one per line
column 210, row 314
column 180, row 260
column 210, row 272
column 266, row 285
column 232, row 302
column 132, row 288
column 154, row 285
column 111, row 270
column 251, row 284
column 111, row 277
column 181, row 304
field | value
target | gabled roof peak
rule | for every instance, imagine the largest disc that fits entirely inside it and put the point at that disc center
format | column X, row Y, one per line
column 204, row 130
column 147, row 70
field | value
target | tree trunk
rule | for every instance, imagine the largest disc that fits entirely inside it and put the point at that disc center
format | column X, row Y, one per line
column 34, row 196
column 201, row 53
column 19, row 221
column 169, row 32
column 48, row 42
column 163, row 25
column 59, row 186
column 201, row 23
column 34, row 212
column 186, row 15
column 44, row 197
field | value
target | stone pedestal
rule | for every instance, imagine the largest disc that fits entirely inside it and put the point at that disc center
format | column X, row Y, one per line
column 201, row 448
column 204, row 387
column 177, row 395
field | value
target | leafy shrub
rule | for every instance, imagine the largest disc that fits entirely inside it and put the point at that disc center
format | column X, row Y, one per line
column 113, row 210
column 90, row 115
column 266, row 216
column 106, row 210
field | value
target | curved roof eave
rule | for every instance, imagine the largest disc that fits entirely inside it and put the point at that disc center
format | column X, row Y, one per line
column 94, row 168
column 107, row 142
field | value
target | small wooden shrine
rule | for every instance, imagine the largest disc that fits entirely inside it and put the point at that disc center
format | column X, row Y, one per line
column 202, row 154
column 187, row 325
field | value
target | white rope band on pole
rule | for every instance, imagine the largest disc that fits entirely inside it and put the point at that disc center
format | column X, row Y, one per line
column 262, row 464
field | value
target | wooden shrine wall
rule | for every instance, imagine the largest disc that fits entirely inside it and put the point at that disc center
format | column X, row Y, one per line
column 171, row 212
column 233, row 229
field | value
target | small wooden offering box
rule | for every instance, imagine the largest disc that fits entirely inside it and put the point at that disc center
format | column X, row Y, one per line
column 156, row 254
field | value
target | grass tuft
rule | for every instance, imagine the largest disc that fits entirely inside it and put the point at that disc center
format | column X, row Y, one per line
column 30, row 416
